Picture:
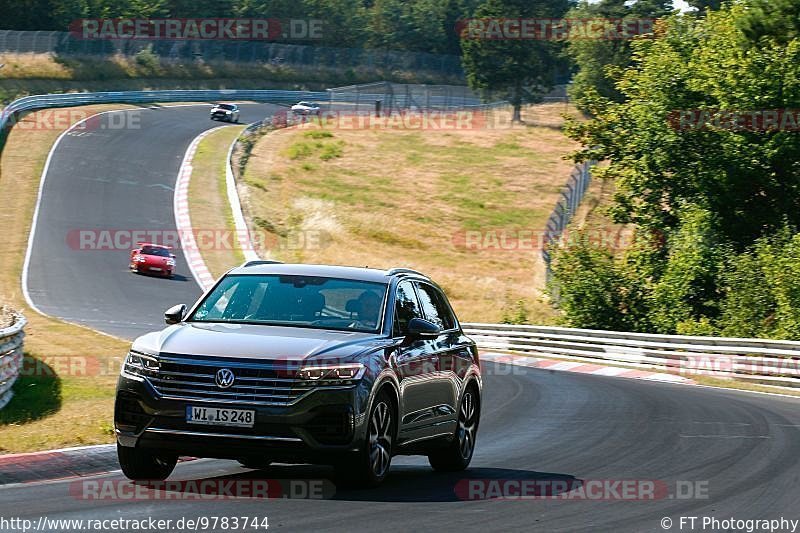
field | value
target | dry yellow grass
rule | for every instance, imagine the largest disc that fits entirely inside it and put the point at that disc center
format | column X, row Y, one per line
column 40, row 73
column 61, row 409
column 406, row 198
column 6, row 316
column 209, row 208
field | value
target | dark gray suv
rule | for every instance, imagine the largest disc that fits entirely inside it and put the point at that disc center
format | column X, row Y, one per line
column 303, row 363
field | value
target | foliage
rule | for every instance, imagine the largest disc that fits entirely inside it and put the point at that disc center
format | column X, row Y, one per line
column 598, row 61
column 520, row 70
column 724, row 200
column 413, row 25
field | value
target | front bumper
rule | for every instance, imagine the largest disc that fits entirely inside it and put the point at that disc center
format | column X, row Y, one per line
column 321, row 424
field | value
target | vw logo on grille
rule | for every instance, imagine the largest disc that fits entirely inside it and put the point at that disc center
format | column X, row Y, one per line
column 224, row 378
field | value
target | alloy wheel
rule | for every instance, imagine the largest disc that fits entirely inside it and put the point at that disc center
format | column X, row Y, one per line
column 380, row 439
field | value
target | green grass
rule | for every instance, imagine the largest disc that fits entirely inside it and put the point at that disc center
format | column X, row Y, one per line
column 35, row 396
column 323, row 149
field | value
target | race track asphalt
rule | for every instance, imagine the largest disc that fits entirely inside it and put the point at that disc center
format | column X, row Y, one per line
column 737, row 451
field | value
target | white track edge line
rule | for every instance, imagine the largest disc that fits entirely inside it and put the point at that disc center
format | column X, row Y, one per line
column 196, row 263
column 239, row 222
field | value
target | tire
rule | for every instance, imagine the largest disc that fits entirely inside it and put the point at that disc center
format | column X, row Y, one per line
column 458, row 454
column 370, row 466
column 144, row 465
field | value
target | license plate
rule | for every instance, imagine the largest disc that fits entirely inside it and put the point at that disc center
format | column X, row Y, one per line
column 155, row 269
column 215, row 416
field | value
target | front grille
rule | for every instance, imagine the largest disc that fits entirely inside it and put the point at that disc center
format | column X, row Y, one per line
column 259, row 383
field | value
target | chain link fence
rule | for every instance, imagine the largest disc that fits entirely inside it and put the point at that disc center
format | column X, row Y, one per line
column 571, row 196
column 386, row 97
column 65, row 44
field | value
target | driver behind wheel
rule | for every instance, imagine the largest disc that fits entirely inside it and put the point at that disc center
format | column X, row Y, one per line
column 369, row 308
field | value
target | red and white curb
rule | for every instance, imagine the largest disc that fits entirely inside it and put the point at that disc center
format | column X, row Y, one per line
column 582, row 368
column 183, row 222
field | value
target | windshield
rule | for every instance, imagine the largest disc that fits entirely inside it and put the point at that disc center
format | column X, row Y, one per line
column 297, row 301
column 225, row 106
column 155, row 250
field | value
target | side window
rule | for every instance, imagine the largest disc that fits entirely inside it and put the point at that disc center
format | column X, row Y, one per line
column 406, row 308
column 434, row 306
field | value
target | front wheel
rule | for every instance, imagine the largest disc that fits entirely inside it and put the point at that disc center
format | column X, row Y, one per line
column 144, row 465
column 369, row 467
column 458, row 454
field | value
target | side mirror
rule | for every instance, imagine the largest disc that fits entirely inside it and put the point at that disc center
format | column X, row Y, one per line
column 421, row 328
column 172, row 256
column 175, row 314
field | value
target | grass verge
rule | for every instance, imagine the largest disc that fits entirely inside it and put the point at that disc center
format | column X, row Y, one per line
column 209, row 208
column 65, row 394
column 408, row 197
column 38, row 73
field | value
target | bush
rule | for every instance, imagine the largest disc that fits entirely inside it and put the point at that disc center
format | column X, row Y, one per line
column 147, row 60
column 594, row 291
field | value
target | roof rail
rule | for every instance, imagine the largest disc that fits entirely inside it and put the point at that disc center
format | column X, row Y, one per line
column 402, row 270
column 262, row 262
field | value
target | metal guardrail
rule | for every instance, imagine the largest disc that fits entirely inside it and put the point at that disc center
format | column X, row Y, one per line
column 32, row 103
column 10, row 357
column 44, row 101
column 773, row 362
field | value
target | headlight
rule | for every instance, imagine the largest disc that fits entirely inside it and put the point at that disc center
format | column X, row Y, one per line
column 140, row 259
column 332, row 373
column 171, row 262
column 140, row 364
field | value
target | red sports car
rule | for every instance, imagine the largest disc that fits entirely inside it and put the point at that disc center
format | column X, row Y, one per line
column 152, row 259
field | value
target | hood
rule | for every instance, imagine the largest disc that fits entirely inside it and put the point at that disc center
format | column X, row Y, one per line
column 251, row 341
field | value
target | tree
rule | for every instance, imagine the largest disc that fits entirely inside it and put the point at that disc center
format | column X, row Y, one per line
column 519, row 70
column 599, row 60
column 692, row 159
column 703, row 5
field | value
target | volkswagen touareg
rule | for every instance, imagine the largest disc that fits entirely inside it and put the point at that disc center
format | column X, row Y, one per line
column 303, row 363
